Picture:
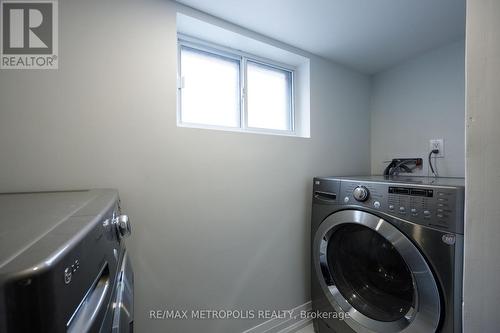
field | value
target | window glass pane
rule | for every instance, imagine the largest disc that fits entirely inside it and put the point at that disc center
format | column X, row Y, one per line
column 210, row 93
column 269, row 97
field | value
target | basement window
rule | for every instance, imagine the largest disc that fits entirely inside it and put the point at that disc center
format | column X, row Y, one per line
column 210, row 88
column 224, row 88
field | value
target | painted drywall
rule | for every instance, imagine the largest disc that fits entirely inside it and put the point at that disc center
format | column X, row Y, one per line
column 482, row 227
column 220, row 219
column 418, row 100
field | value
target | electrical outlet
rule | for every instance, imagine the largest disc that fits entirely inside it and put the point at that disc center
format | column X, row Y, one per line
column 437, row 144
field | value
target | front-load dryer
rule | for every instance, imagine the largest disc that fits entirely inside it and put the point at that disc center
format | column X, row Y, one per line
column 387, row 254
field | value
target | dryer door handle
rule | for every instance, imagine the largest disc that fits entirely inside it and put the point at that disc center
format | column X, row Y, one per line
column 91, row 307
column 325, row 196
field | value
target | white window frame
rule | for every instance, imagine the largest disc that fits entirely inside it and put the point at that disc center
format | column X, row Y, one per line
column 242, row 57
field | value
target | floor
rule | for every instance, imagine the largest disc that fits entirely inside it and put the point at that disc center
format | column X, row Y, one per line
column 307, row 329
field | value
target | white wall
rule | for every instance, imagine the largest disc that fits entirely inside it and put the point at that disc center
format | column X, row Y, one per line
column 220, row 219
column 482, row 228
column 418, row 100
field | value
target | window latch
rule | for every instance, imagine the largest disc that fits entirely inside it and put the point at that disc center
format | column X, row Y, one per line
column 180, row 82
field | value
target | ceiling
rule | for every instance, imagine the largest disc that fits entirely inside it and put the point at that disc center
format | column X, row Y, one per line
column 367, row 35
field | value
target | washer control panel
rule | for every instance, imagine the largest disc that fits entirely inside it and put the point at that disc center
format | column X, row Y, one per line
column 436, row 206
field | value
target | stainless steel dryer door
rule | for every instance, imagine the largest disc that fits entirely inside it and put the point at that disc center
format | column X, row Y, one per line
column 371, row 271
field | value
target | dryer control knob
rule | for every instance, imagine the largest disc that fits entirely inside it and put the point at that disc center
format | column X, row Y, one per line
column 122, row 224
column 361, row 193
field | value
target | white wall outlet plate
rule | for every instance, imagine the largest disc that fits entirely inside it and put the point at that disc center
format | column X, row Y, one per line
column 437, row 144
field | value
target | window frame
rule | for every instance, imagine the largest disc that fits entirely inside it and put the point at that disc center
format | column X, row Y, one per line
column 184, row 41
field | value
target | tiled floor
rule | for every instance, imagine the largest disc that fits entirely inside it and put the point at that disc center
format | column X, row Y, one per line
column 307, row 329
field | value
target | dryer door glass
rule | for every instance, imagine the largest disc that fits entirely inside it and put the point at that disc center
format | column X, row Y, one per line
column 370, row 273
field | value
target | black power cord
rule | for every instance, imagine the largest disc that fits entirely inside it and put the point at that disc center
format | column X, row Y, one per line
column 434, row 151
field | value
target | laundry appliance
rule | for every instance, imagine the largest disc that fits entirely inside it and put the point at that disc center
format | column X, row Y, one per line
column 387, row 254
column 63, row 263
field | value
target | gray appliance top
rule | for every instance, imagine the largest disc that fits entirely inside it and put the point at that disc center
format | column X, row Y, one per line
column 25, row 218
column 413, row 180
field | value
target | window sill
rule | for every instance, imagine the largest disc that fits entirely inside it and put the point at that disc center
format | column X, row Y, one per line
column 242, row 130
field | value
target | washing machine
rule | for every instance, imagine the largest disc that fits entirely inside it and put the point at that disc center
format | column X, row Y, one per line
column 387, row 254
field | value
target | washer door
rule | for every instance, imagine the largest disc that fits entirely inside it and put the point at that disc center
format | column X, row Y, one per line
column 372, row 271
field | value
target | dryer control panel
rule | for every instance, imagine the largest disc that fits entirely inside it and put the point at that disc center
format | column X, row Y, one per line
column 423, row 201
